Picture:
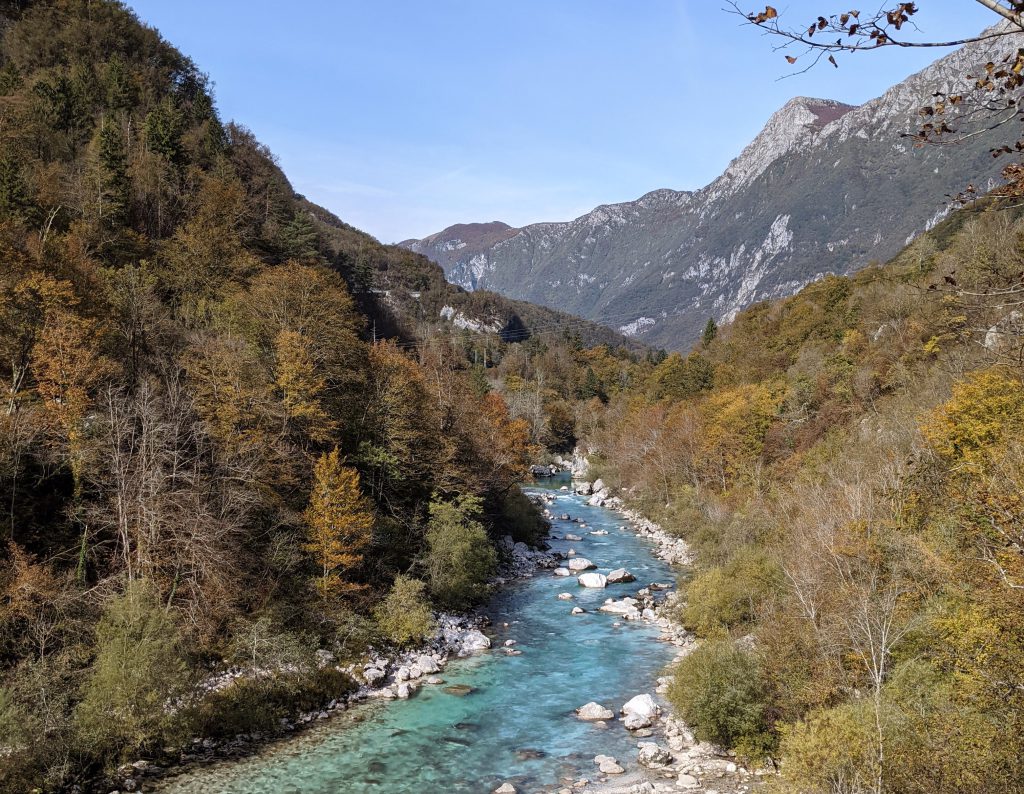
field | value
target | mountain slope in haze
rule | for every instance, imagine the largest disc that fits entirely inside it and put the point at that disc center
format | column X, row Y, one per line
column 824, row 188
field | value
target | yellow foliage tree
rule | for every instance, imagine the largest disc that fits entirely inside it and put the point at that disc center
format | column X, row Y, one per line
column 301, row 386
column 339, row 523
column 985, row 408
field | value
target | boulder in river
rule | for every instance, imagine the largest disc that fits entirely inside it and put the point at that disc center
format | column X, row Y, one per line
column 620, row 575
column 594, row 711
column 622, row 608
column 578, row 611
column 592, row 580
column 474, row 640
column 580, row 564
column 570, row 536
column 562, row 572
column 459, row 690
column 584, row 488
column 505, row 788
column 565, row 596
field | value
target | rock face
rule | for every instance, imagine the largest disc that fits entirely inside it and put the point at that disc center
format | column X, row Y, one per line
column 664, row 263
column 594, row 711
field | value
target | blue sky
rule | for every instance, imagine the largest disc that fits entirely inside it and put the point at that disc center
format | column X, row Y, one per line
column 406, row 116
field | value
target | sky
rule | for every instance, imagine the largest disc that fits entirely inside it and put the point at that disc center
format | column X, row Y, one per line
column 404, row 117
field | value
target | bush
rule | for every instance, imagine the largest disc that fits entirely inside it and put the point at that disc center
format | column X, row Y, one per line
column 259, row 704
column 718, row 689
column 831, row 750
column 460, row 558
column 404, row 616
column 138, row 668
column 726, row 597
column 521, row 518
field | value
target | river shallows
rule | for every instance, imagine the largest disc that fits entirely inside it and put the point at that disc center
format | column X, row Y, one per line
column 518, row 723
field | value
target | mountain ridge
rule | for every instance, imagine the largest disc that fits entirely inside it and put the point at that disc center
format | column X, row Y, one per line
column 825, row 187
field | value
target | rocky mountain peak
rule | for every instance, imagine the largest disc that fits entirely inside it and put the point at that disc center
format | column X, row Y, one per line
column 794, row 124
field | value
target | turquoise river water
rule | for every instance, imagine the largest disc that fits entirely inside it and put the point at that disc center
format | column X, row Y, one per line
column 518, row 723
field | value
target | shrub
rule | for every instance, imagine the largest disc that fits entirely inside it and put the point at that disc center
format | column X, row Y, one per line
column 259, row 704
column 137, row 669
column 460, row 558
column 727, row 597
column 718, row 689
column 521, row 519
column 831, row 750
column 404, row 616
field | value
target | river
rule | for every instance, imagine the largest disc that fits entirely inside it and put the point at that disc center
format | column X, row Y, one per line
column 518, row 724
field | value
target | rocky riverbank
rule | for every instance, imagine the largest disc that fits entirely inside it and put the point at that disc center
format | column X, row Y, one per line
column 669, row 758
column 381, row 676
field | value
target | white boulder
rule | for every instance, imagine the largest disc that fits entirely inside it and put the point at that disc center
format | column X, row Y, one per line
column 620, row 575
column 594, row 711
column 580, row 564
column 592, row 580
column 428, row 664
column 562, row 572
column 651, row 755
column 474, row 640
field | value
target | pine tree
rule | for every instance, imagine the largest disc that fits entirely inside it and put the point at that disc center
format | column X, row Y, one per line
column 710, row 332
column 339, row 524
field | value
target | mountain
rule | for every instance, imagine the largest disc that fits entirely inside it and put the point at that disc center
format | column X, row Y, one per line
column 824, row 188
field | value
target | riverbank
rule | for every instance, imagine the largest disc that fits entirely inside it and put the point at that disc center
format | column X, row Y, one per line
column 381, row 676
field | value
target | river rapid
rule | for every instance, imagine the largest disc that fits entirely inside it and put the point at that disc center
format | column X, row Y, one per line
column 518, row 723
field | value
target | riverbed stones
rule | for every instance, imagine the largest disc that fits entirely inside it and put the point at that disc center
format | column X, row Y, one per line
column 505, row 788
column 428, row 664
column 434, row 680
column 562, row 572
column 459, row 690
column 373, row 675
column 611, row 767
column 619, row 576
column 578, row 611
column 594, row 711
column 599, row 532
column 651, row 755
column 592, row 580
column 580, row 564
column 572, row 537
column 685, row 781
column 565, row 596
column 402, row 691
column 402, row 673
column 584, row 488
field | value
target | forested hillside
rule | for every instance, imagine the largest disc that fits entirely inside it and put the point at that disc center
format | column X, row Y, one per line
column 849, row 470
column 235, row 430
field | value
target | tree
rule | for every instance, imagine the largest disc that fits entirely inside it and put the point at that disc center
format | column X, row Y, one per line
column 709, row 333
column 404, row 615
column 460, row 558
column 138, row 667
column 301, row 387
column 339, row 522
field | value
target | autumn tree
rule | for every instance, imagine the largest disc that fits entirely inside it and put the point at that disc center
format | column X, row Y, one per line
column 339, row 523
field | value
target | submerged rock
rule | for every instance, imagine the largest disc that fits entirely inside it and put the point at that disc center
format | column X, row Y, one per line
column 459, row 690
